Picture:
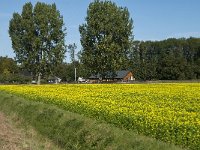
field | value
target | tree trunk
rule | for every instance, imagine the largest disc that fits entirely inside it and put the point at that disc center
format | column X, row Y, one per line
column 39, row 78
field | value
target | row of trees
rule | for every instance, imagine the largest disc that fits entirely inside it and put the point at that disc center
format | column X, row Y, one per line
column 108, row 46
column 11, row 72
column 171, row 59
column 38, row 35
column 38, row 39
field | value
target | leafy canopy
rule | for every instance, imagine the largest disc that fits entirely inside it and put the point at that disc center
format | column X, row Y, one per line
column 105, row 37
column 37, row 36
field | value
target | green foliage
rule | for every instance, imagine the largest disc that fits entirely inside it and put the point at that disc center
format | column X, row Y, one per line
column 105, row 37
column 10, row 72
column 73, row 131
column 37, row 36
column 72, row 48
column 171, row 59
column 8, row 65
column 15, row 79
column 66, row 71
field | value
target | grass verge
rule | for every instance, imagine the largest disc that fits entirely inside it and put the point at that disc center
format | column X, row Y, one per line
column 17, row 135
column 76, row 132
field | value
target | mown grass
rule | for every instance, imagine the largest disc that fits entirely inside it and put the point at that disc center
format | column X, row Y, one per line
column 73, row 131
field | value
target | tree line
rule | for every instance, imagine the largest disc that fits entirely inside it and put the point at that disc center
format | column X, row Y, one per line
column 38, row 40
column 11, row 72
column 171, row 59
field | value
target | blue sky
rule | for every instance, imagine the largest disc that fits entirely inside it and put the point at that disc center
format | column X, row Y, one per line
column 153, row 19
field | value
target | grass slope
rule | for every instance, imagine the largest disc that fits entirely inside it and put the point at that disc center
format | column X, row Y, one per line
column 17, row 135
column 73, row 131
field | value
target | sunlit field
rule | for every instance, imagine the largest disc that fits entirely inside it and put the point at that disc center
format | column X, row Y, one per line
column 169, row 112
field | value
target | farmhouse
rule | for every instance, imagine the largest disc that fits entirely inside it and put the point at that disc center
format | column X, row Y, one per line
column 121, row 76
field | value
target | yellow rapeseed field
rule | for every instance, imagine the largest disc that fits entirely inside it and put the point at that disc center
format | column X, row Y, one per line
column 169, row 112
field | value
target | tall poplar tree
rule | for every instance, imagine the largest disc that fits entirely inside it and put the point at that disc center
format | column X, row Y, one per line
column 105, row 38
column 37, row 36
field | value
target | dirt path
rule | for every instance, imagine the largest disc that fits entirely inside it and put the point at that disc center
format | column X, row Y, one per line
column 9, row 138
column 14, row 137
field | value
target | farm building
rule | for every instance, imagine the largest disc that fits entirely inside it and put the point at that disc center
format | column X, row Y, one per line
column 54, row 79
column 121, row 76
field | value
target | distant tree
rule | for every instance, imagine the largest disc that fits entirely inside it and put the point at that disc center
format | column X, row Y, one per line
column 10, row 72
column 65, row 71
column 38, row 38
column 8, row 65
column 62, row 71
column 105, row 37
column 170, row 59
column 72, row 50
column 143, row 60
column 194, row 49
column 134, row 58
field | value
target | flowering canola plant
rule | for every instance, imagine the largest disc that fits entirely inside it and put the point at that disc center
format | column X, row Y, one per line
column 169, row 112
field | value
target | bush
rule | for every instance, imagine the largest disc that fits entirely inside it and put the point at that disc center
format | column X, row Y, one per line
column 14, row 78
